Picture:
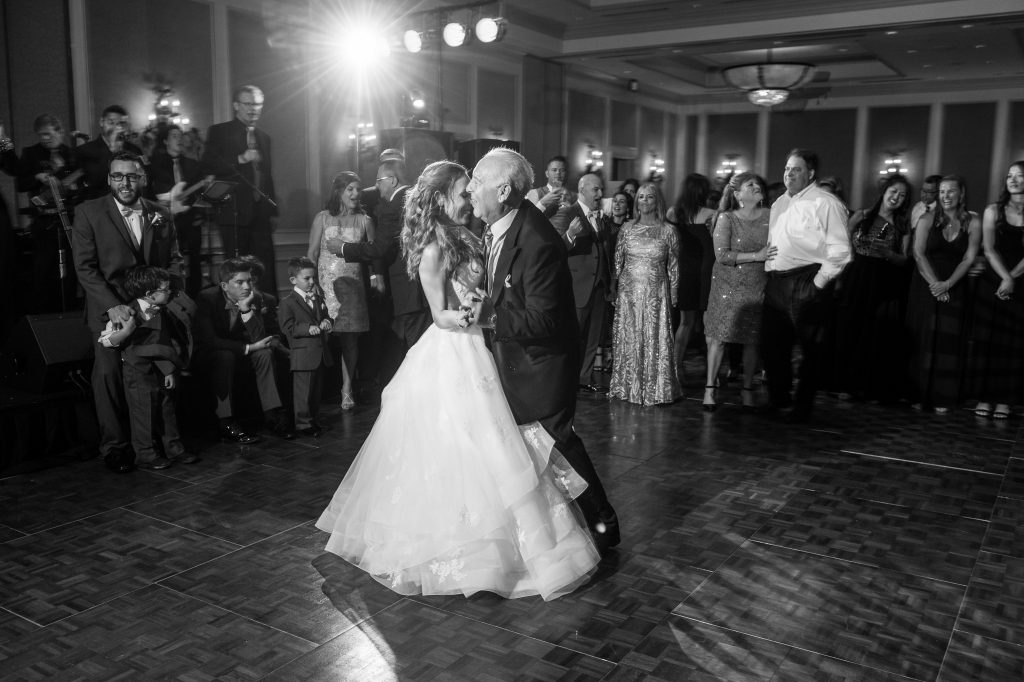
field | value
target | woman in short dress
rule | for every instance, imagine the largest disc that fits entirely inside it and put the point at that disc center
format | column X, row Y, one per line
column 737, row 282
column 342, row 283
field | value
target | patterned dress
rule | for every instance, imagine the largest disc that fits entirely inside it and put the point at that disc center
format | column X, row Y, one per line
column 737, row 289
column 939, row 327
column 647, row 266
column 344, row 289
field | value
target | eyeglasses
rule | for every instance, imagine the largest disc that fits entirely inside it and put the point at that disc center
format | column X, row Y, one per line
column 130, row 177
column 252, row 105
column 383, row 178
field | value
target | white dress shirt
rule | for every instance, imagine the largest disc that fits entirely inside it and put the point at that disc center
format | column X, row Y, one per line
column 498, row 231
column 809, row 227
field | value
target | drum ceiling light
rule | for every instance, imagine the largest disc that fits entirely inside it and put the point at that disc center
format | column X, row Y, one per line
column 769, row 83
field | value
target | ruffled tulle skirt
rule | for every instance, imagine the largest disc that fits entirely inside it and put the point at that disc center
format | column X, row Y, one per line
column 449, row 496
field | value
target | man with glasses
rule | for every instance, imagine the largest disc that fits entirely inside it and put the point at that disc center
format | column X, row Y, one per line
column 237, row 151
column 94, row 156
column 112, row 235
column 409, row 315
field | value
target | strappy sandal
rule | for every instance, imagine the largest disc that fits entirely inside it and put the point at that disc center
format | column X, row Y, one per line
column 1001, row 412
column 983, row 410
column 347, row 403
column 709, row 403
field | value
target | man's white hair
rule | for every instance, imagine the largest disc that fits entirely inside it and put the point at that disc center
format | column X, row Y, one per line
column 513, row 168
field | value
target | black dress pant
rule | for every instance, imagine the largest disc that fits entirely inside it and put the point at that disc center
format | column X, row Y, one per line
column 795, row 312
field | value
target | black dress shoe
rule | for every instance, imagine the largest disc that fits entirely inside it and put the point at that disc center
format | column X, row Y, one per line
column 587, row 388
column 283, row 430
column 233, row 433
column 185, row 457
column 118, row 463
column 311, row 431
column 155, row 464
column 606, row 533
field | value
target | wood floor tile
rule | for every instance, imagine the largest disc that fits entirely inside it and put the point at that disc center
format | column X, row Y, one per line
column 914, row 541
column 868, row 616
column 1013, row 482
column 246, row 506
column 935, row 489
column 606, row 618
column 7, row 533
column 47, row 498
column 288, row 582
column 153, row 633
column 1006, row 528
column 56, row 573
column 13, row 626
column 994, row 606
column 973, row 657
column 413, row 641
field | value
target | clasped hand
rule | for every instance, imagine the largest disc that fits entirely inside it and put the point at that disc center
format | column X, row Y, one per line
column 475, row 306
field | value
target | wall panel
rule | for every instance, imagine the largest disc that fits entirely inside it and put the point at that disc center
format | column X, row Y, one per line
column 967, row 148
column 892, row 131
column 829, row 133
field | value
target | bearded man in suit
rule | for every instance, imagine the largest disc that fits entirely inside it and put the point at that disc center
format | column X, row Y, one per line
column 531, row 309
column 112, row 235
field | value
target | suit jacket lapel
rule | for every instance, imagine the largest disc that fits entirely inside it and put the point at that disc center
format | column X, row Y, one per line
column 148, row 214
column 509, row 250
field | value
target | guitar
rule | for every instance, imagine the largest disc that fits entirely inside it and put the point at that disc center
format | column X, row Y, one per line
column 175, row 198
column 53, row 196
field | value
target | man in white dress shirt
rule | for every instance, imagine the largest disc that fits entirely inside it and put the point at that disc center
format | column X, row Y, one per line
column 808, row 247
column 553, row 195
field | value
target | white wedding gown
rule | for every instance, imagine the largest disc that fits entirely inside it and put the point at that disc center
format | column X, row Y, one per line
column 448, row 495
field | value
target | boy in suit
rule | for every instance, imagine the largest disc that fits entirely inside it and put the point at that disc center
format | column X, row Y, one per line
column 302, row 315
column 156, row 344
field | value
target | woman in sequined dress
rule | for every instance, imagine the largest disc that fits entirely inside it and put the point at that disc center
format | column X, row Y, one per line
column 945, row 246
column 997, row 369
column 647, row 271
column 737, row 282
column 342, row 282
column 872, row 340
column 447, row 494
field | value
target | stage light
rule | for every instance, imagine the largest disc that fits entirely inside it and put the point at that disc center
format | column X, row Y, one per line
column 455, row 34
column 362, row 46
column 490, row 29
column 413, row 40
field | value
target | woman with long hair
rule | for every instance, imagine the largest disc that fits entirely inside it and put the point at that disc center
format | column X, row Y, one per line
column 448, row 495
column 997, row 369
column 737, row 282
column 872, row 341
column 692, row 219
column 945, row 246
column 647, row 273
column 342, row 283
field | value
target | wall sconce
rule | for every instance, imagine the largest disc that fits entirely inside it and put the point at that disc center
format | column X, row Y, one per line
column 595, row 159
column 894, row 165
column 729, row 166
column 656, row 169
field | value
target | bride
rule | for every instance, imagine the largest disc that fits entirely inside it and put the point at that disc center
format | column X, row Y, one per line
column 448, row 495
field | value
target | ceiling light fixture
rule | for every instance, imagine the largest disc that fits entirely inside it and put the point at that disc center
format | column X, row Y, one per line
column 769, row 83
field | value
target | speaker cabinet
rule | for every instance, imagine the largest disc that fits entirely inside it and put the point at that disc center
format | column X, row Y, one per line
column 420, row 146
column 44, row 349
column 471, row 151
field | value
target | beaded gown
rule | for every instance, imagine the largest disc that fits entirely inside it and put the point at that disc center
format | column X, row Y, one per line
column 342, row 282
column 647, row 267
column 737, row 289
column 448, row 495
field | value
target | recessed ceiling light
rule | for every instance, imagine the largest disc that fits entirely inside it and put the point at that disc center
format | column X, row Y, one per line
column 843, row 49
column 966, row 25
column 891, row 33
column 926, row 66
column 779, row 42
column 979, row 46
column 911, row 51
column 627, row 71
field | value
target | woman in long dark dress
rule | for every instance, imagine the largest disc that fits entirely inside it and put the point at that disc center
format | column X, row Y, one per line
column 692, row 219
column 872, row 342
column 997, row 368
column 945, row 246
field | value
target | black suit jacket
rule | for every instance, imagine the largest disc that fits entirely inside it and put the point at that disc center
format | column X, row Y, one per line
column 36, row 159
column 219, row 327
column 104, row 252
column 225, row 142
column 535, row 339
column 161, row 172
column 295, row 317
column 589, row 258
column 93, row 158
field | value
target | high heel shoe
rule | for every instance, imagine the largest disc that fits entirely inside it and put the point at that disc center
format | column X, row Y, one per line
column 709, row 403
column 747, row 397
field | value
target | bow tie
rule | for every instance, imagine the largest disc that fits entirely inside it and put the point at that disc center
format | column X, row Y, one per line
column 128, row 210
column 594, row 215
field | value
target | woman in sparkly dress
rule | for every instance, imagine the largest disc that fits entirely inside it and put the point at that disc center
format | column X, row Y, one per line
column 872, row 340
column 737, row 281
column 647, row 271
column 945, row 246
column 342, row 283
column 997, row 370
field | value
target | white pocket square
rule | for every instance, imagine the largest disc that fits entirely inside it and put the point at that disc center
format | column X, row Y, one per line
column 508, row 281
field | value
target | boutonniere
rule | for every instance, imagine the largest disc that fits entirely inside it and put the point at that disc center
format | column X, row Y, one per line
column 508, row 281
column 156, row 219
column 264, row 310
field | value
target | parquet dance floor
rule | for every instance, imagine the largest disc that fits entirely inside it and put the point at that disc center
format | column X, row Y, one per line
column 870, row 544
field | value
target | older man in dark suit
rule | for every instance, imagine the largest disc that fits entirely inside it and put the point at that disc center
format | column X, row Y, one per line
column 238, row 151
column 113, row 234
column 530, row 307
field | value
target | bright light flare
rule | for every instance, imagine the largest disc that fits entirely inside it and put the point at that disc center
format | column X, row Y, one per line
column 490, row 29
column 413, row 40
column 362, row 46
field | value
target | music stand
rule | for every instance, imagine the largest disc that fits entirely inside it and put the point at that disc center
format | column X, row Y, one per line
column 218, row 192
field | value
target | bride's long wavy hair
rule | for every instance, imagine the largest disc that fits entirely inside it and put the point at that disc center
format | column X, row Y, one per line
column 427, row 221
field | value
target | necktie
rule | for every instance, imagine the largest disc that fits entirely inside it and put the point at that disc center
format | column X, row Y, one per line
column 311, row 302
column 177, row 169
column 133, row 218
column 250, row 143
column 488, row 257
